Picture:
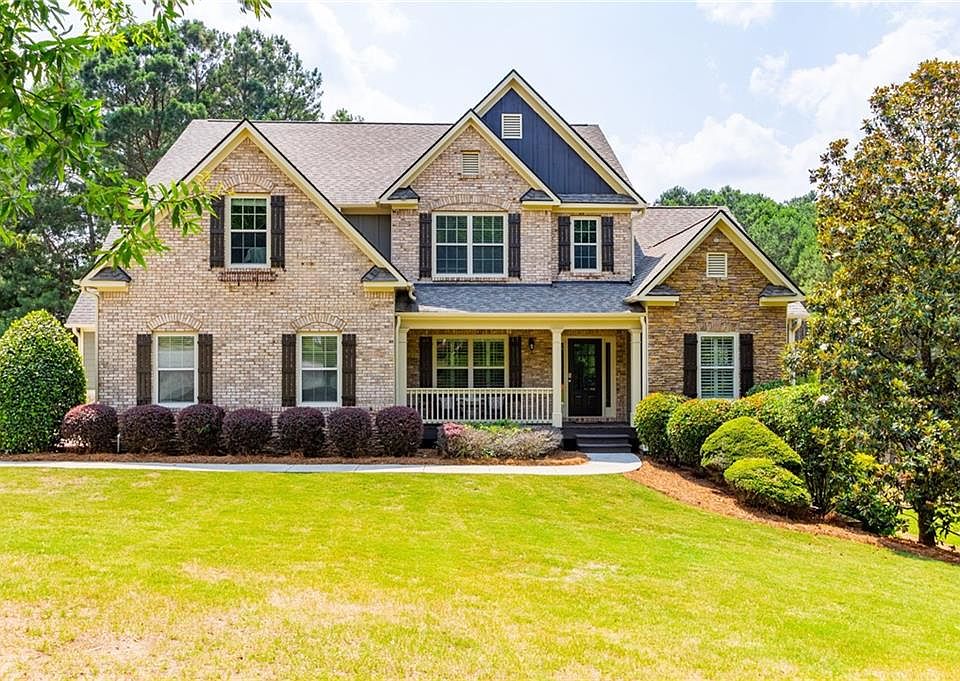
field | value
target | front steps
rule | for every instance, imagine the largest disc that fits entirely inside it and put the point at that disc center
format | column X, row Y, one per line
column 599, row 438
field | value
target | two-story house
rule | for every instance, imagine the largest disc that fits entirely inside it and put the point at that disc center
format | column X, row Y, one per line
column 502, row 267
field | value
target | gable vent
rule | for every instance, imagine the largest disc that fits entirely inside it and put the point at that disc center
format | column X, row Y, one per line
column 470, row 163
column 717, row 265
column 511, row 126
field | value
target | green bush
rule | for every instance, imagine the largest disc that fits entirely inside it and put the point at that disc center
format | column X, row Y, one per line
column 766, row 385
column 41, row 378
column 691, row 424
column 746, row 438
column 764, row 484
column 650, row 421
column 871, row 496
column 748, row 406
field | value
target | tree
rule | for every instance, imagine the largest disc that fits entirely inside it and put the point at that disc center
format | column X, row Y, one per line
column 344, row 116
column 886, row 323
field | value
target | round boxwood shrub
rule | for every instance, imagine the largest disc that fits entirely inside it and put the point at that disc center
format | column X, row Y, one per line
column 198, row 428
column 763, row 386
column 246, row 431
column 350, row 430
column 764, row 484
column 400, row 430
column 300, row 429
column 744, row 438
column 690, row 425
column 650, row 421
column 41, row 378
column 147, row 428
column 90, row 427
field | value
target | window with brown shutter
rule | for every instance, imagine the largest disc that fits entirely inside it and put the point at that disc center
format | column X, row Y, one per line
column 205, row 368
column 348, row 348
column 278, row 231
column 216, row 232
column 563, row 243
column 606, row 243
column 144, row 368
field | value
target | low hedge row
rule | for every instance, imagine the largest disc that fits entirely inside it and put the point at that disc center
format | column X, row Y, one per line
column 208, row 429
column 496, row 441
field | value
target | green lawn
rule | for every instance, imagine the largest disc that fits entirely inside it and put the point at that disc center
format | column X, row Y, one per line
column 145, row 574
column 953, row 539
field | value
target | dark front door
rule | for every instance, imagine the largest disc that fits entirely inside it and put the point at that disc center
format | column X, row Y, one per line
column 584, row 383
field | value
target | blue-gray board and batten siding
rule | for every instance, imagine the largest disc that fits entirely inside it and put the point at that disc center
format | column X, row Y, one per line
column 375, row 229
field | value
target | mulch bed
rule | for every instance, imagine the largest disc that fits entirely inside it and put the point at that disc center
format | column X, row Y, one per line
column 686, row 487
column 422, row 457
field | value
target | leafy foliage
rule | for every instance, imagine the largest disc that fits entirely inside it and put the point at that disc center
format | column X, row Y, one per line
column 764, row 484
column 650, row 421
column 91, row 427
column 350, row 430
column 744, row 438
column 400, row 430
column 884, row 333
column 461, row 441
column 300, row 429
column 147, row 428
column 690, row 425
column 871, row 496
column 198, row 428
column 41, row 378
column 766, row 385
column 246, row 431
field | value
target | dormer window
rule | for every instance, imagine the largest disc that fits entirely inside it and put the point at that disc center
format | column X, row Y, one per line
column 470, row 163
column 511, row 126
column 717, row 265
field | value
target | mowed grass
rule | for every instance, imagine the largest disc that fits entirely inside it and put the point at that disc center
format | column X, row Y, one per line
column 213, row 575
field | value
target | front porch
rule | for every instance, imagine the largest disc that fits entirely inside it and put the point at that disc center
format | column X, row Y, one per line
column 547, row 371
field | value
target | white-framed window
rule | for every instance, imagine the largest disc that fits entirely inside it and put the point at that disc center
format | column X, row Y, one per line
column 585, row 241
column 470, row 362
column 248, row 231
column 717, row 265
column 175, row 359
column 318, row 369
column 717, row 365
column 469, row 245
column 511, row 126
column 470, row 163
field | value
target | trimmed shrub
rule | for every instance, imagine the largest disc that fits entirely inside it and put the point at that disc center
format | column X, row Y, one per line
column 41, row 378
column 91, row 427
column 146, row 429
column 745, row 438
column 400, row 430
column 300, row 429
column 871, row 496
column 198, row 428
column 690, row 425
column 748, row 406
column 650, row 421
column 350, row 430
column 460, row 441
column 246, row 431
column 764, row 484
column 763, row 386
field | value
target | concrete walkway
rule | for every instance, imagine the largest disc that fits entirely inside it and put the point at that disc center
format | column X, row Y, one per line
column 599, row 464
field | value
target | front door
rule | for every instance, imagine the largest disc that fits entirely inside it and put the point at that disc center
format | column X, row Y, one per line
column 584, row 382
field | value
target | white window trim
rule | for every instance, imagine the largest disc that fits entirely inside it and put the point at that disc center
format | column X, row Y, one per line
column 503, row 135
column 469, row 273
column 736, row 361
column 463, row 155
column 725, row 266
column 155, row 360
column 300, row 337
column 573, row 244
column 470, row 338
column 228, row 228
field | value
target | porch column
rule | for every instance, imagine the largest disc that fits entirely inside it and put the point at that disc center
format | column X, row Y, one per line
column 400, row 377
column 557, row 377
column 636, row 369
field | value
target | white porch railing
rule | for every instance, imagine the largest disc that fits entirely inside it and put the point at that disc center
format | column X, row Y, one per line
column 522, row 405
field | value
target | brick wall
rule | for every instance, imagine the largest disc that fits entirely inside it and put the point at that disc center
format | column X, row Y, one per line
column 719, row 305
column 318, row 291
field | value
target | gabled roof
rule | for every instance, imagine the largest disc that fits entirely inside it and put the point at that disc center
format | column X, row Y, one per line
column 84, row 312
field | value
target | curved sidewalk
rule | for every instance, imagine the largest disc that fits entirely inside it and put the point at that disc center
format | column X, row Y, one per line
column 599, row 464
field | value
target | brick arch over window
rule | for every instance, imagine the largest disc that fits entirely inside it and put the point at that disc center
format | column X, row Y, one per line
column 248, row 182
column 175, row 321
column 319, row 321
column 466, row 202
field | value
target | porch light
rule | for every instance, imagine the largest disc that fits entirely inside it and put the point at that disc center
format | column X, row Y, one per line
column 530, row 343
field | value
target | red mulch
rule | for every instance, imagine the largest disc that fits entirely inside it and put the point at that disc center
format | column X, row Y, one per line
column 700, row 492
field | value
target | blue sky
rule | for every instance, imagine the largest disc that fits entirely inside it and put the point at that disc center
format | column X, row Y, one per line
column 700, row 93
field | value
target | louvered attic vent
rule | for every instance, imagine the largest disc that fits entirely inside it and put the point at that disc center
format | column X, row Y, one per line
column 511, row 126
column 470, row 163
column 717, row 265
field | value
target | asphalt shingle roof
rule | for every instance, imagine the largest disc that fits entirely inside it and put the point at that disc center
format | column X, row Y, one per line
column 84, row 312
column 568, row 296
column 661, row 233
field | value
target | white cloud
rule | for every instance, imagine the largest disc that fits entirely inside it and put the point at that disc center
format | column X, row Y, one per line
column 386, row 17
column 766, row 76
column 740, row 14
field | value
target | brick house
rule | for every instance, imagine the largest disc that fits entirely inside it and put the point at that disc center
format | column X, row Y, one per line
column 498, row 268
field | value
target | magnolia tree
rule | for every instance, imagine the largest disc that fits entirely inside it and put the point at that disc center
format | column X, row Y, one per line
column 887, row 323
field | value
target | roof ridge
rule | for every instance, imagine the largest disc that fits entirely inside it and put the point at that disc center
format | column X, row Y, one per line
column 294, row 122
column 713, row 206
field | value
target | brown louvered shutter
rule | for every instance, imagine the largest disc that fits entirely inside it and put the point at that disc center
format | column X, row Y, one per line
column 426, row 361
column 278, row 231
column 216, row 232
column 288, row 370
column 690, row 364
column 144, row 368
column 606, row 243
column 513, row 241
column 426, row 246
column 205, row 368
column 746, row 362
column 516, row 362
column 563, row 243
column 348, row 377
